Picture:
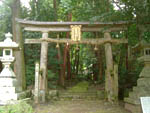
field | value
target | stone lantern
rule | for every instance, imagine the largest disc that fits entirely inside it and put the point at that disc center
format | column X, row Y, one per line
column 132, row 103
column 9, row 89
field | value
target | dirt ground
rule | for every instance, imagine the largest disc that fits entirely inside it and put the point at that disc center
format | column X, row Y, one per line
column 80, row 106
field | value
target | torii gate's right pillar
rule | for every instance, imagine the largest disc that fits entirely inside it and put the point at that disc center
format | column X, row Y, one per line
column 111, row 73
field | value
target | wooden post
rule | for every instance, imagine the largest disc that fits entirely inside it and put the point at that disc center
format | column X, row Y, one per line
column 109, row 82
column 36, row 90
column 43, row 66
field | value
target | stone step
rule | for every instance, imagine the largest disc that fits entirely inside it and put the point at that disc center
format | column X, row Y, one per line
column 140, row 89
column 77, row 96
column 132, row 101
column 133, row 95
column 137, row 96
column 80, row 95
column 145, row 72
column 143, row 82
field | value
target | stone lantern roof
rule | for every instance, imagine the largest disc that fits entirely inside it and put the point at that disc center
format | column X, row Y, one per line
column 144, row 47
column 8, row 43
column 141, row 45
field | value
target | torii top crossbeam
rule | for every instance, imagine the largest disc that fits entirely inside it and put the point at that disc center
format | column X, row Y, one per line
column 65, row 26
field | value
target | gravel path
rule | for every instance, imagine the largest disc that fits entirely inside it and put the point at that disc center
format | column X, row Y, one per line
column 80, row 106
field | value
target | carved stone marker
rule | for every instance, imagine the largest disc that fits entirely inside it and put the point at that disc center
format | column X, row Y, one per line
column 145, row 103
column 36, row 90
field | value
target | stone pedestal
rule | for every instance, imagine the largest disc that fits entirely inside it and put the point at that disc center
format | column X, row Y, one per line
column 132, row 103
column 10, row 91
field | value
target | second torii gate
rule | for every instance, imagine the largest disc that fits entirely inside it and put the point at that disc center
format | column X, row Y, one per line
column 111, row 82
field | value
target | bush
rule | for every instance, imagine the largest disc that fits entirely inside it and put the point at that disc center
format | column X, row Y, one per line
column 21, row 107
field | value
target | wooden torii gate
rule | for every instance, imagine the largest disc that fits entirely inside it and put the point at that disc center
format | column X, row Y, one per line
column 111, row 85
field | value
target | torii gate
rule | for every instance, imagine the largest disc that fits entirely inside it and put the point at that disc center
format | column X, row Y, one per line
column 111, row 85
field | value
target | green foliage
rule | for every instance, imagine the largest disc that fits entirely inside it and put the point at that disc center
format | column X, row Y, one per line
column 5, row 20
column 51, row 74
column 30, row 72
column 21, row 107
column 31, row 56
column 42, row 10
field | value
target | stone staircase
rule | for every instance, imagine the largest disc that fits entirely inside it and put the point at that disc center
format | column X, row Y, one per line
column 132, row 103
column 64, row 95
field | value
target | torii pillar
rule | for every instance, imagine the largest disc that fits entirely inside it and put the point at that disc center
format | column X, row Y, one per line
column 43, row 67
column 111, row 73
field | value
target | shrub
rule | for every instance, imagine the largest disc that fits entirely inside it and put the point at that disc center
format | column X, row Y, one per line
column 21, row 107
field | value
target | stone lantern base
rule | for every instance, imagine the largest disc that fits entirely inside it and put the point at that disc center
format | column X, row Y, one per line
column 9, row 91
column 132, row 103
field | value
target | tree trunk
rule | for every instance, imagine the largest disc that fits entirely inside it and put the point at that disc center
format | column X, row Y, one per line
column 68, row 52
column 96, row 66
column 61, row 78
column 64, row 62
column 55, row 9
column 1, row 66
column 19, row 65
column 77, row 62
column 126, row 46
column 68, row 61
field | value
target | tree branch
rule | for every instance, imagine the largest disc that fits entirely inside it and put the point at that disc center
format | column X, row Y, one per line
column 116, row 3
column 4, row 2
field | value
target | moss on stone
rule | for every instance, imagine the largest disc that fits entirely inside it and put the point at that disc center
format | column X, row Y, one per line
column 80, row 87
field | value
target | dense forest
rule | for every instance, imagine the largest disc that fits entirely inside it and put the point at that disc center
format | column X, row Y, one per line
column 82, row 62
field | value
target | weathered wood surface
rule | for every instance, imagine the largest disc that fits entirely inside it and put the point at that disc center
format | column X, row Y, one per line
column 19, row 65
column 110, row 83
column 43, row 67
column 65, row 26
column 83, row 41
column 28, row 22
column 68, row 29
